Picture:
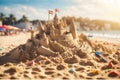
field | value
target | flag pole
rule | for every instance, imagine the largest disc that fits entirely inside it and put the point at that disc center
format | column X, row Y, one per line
column 49, row 13
column 56, row 11
column 48, row 17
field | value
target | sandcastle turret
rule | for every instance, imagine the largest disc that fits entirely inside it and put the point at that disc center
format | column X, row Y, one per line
column 61, row 28
column 40, row 27
column 44, row 41
column 63, row 22
column 73, row 30
column 32, row 33
column 52, row 31
column 56, row 20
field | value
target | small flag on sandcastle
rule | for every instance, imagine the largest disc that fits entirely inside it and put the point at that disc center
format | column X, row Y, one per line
column 57, row 10
column 49, row 13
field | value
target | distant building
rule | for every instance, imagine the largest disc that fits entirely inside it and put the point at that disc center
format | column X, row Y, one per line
column 107, row 26
column 24, row 25
column 0, row 23
column 28, row 25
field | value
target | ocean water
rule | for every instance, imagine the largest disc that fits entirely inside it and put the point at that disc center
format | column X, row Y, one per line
column 107, row 34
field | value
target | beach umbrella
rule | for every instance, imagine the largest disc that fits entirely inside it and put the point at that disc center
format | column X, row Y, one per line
column 9, row 27
column 5, row 26
column 2, row 29
column 14, row 28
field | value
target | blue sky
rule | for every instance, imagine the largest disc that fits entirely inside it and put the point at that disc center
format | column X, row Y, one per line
column 36, row 3
column 33, row 9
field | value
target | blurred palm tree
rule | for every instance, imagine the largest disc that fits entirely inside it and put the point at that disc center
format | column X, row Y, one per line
column 24, row 19
column 2, row 17
column 12, row 19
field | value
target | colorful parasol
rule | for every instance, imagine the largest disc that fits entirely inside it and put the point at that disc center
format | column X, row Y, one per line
column 6, row 27
column 2, row 29
column 13, row 28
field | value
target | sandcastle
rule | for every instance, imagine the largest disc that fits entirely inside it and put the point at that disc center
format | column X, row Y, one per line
column 58, row 46
column 54, row 39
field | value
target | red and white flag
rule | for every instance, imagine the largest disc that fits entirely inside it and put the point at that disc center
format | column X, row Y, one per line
column 50, row 12
column 57, row 10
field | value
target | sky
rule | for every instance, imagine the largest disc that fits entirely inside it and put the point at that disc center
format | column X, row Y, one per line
column 38, row 9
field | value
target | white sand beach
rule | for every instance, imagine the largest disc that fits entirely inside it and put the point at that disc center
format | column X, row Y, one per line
column 9, row 42
column 46, row 69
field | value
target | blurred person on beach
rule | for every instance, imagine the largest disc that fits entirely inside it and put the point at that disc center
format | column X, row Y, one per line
column 6, row 32
column 32, row 32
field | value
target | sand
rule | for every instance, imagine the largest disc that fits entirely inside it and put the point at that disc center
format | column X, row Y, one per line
column 7, row 43
column 45, row 68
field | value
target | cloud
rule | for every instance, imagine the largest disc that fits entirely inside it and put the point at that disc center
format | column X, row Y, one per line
column 20, row 10
column 97, row 9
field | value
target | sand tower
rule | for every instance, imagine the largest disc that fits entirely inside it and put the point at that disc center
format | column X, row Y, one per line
column 56, row 20
column 73, row 30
